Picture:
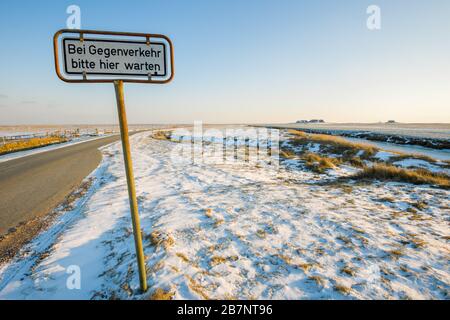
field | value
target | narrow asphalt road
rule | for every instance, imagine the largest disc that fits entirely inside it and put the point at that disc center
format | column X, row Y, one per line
column 32, row 186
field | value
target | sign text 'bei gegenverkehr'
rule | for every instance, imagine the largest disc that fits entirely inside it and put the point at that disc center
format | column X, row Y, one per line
column 114, row 57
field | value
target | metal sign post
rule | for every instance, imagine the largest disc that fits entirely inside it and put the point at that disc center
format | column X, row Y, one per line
column 117, row 57
column 118, row 85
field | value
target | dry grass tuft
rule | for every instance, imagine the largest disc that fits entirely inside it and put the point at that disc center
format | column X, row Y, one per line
column 159, row 239
column 14, row 146
column 216, row 260
column 261, row 233
column 356, row 162
column 209, row 213
column 345, row 188
column 285, row 258
column 319, row 251
column 160, row 294
column 175, row 269
column 287, row 154
column 416, row 242
column 387, row 199
column 420, row 205
column 298, row 133
column 318, row 163
column 218, row 222
column 318, row 280
column 183, row 257
column 395, row 253
column 392, row 173
column 348, row 271
column 358, row 230
column 345, row 240
column 197, row 288
column 342, row 289
column 161, row 135
column 305, row 266
column 418, row 217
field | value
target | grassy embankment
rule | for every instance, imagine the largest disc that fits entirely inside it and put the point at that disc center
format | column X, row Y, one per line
column 337, row 150
column 392, row 173
column 27, row 144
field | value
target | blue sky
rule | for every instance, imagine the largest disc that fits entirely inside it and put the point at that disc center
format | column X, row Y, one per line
column 240, row 61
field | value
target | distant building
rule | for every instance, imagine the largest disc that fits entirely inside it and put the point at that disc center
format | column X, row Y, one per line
column 391, row 121
column 311, row 121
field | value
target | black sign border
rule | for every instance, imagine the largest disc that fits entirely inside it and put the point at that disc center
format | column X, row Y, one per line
column 113, row 74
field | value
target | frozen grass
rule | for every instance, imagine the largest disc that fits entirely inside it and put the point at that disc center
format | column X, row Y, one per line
column 161, row 135
column 159, row 239
column 287, row 154
column 160, row 294
column 333, row 144
column 322, row 153
column 403, row 156
column 356, row 162
column 319, row 163
column 329, row 151
column 29, row 144
column 392, row 173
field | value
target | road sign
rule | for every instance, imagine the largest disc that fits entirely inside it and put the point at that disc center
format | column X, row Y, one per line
column 118, row 57
column 98, row 56
column 114, row 57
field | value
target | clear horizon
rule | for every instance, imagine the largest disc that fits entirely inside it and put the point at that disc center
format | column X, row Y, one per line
column 323, row 63
column 218, row 123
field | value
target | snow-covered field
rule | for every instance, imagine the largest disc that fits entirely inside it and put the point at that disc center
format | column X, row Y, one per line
column 234, row 230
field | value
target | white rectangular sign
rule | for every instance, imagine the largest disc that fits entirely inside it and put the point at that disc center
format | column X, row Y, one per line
column 114, row 57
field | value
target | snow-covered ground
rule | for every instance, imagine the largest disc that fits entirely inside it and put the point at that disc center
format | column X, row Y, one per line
column 234, row 230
